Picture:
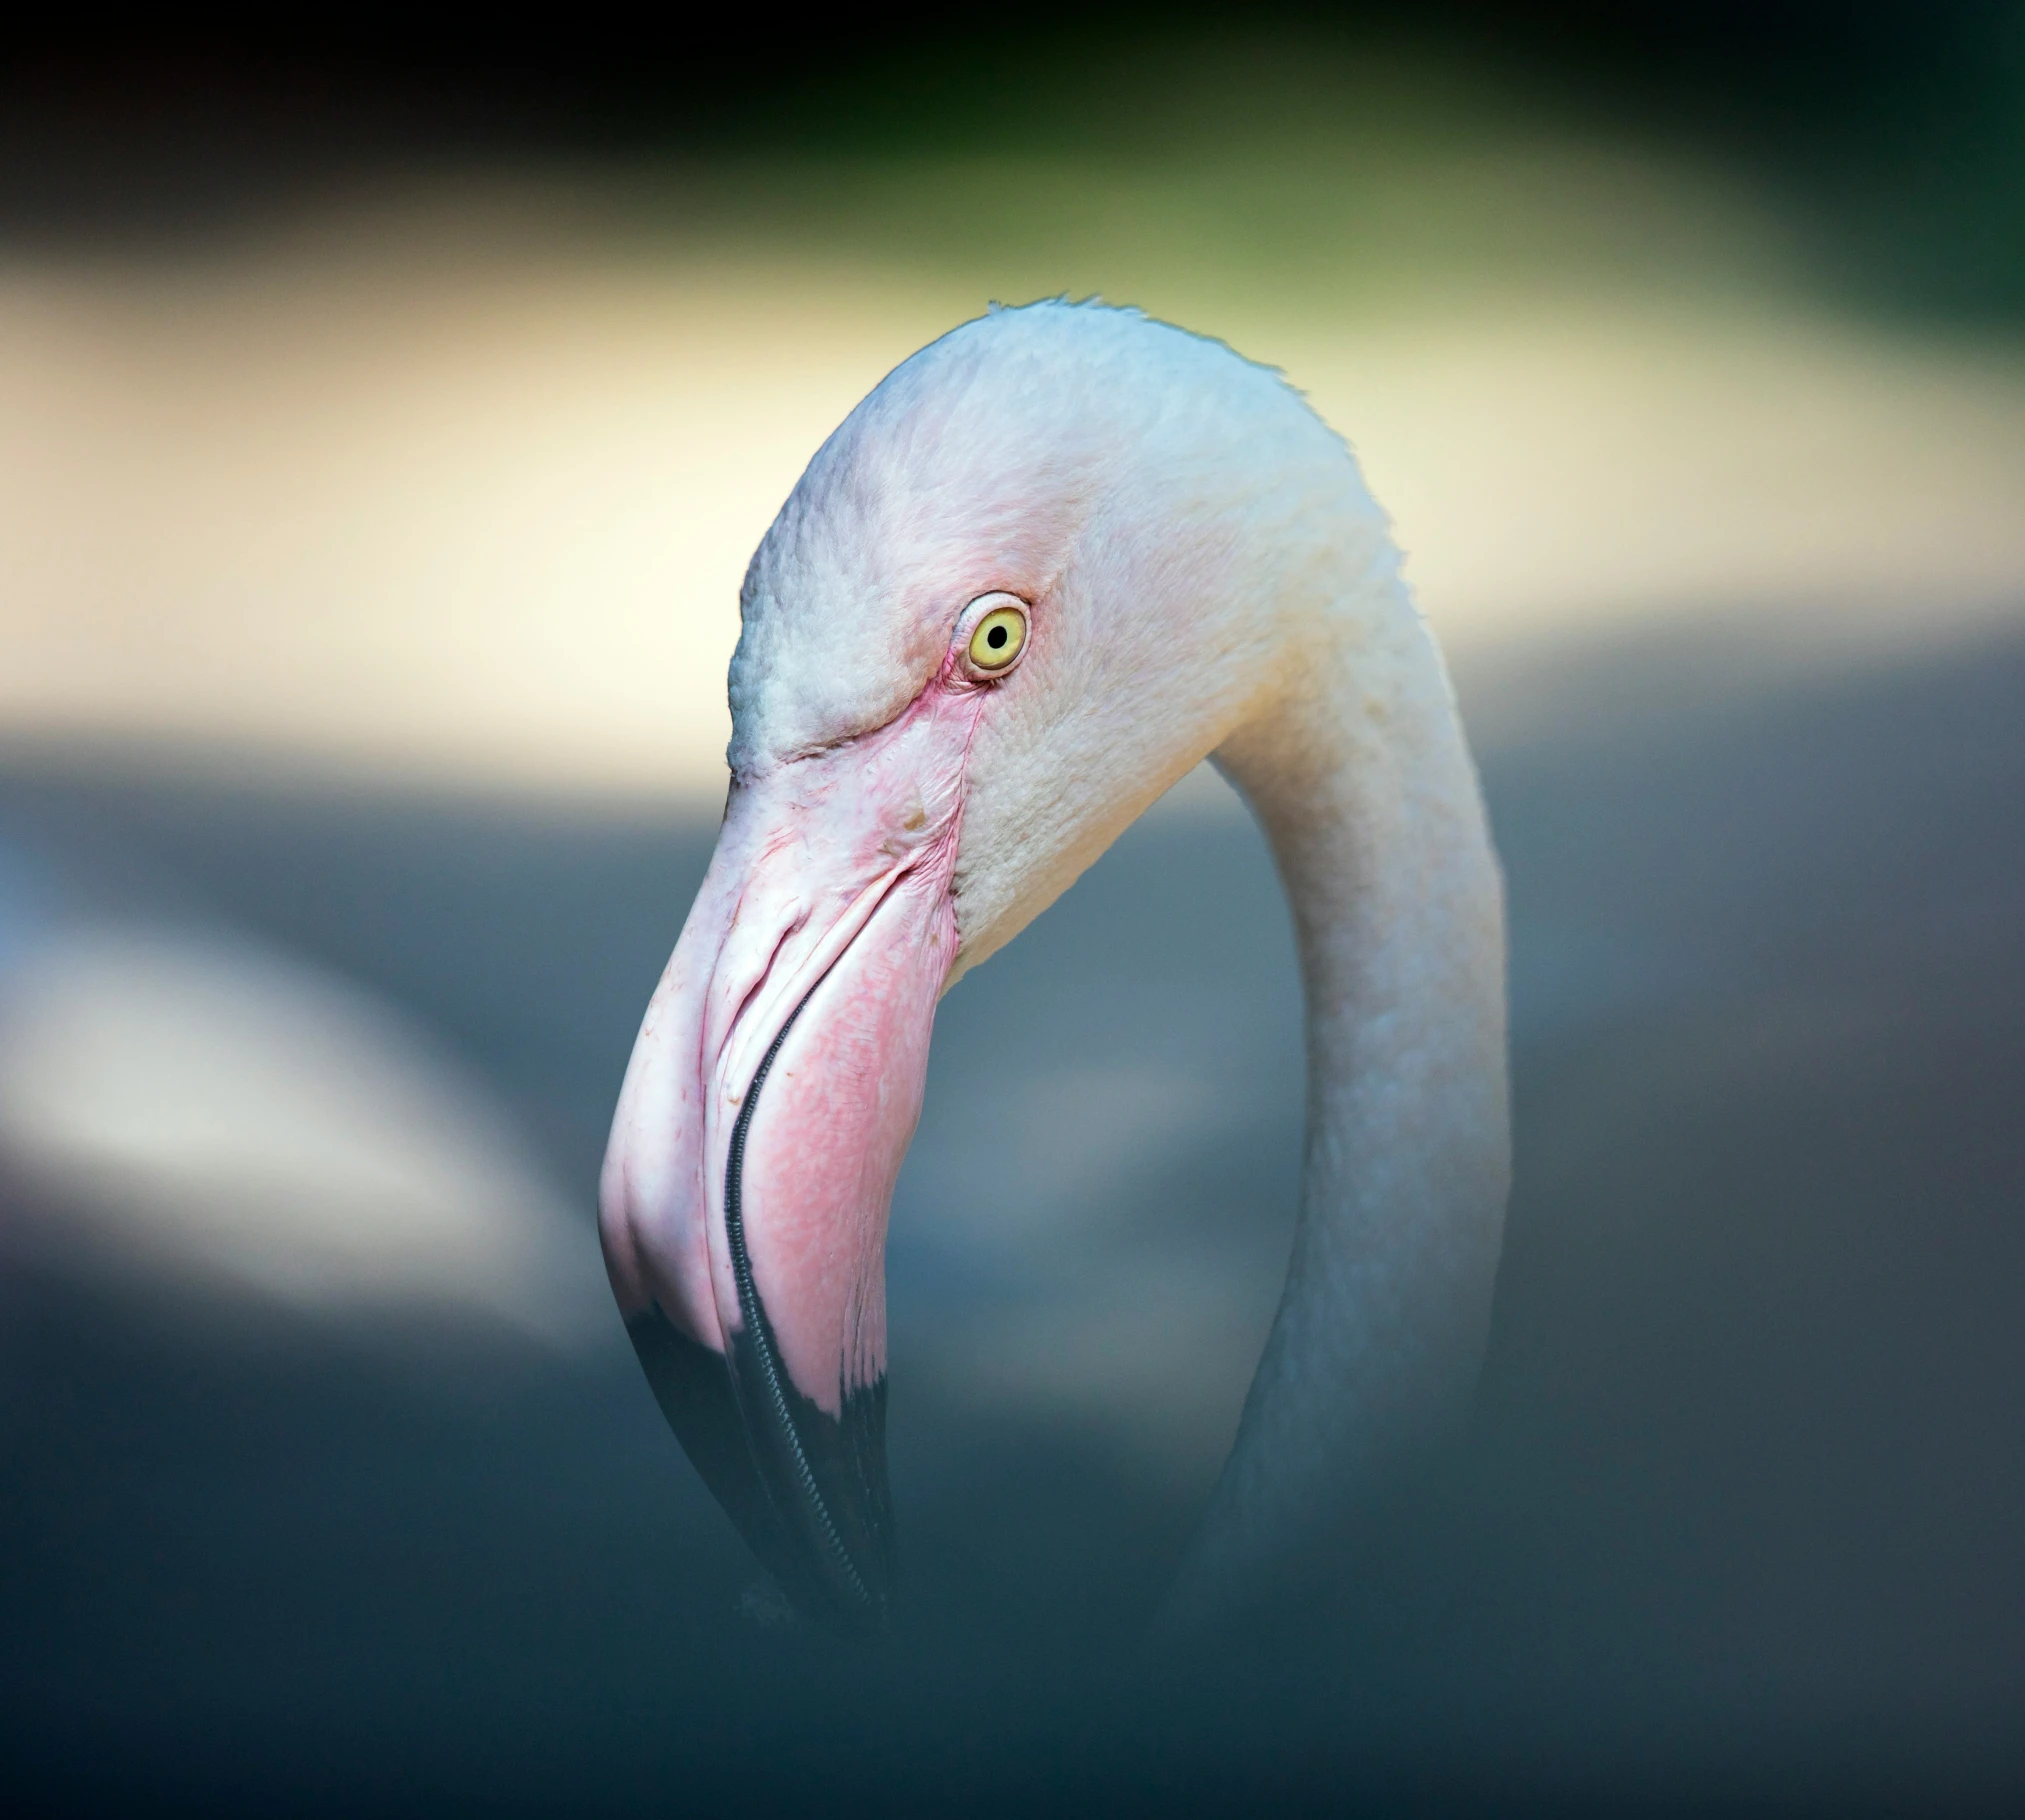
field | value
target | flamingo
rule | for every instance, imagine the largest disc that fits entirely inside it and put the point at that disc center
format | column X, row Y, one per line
column 1049, row 564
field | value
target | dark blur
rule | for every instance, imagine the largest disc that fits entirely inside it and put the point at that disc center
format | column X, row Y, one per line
column 1898, row 126
column 330, row 1482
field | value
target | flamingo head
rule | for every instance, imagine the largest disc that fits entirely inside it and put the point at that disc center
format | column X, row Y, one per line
column 1012, row 600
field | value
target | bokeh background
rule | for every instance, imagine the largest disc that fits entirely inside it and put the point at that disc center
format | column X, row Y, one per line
column 384, row 427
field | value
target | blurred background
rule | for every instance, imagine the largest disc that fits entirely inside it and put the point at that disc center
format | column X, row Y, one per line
column 385, row 423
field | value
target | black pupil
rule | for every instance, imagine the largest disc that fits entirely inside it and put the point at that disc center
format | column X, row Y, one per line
column 995, row 637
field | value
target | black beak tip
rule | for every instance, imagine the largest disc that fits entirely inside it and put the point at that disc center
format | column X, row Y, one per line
column 807, row 1490
column 825, row 1477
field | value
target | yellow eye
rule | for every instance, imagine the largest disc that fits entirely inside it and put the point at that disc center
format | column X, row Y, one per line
column 999, row 637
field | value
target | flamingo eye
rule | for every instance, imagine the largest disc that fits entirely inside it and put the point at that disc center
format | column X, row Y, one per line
column 998, row 639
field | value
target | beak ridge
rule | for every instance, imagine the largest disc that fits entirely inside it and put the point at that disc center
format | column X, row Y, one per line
column 824, row 1476
column 806, row 1489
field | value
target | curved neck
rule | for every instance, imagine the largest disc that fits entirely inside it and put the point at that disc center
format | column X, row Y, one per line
column 1361, row 778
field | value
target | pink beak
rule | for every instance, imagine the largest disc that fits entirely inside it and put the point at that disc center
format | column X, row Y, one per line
column 771, row 1097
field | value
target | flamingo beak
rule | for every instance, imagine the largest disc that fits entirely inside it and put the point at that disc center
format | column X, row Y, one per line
column 770, row 1099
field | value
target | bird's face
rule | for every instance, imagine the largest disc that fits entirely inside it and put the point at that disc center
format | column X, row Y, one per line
column 971, row 656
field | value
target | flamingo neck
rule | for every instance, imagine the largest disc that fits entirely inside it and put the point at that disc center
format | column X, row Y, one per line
column 1361, row 778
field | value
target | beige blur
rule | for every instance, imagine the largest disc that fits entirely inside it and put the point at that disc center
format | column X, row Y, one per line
column 205, row 1110
column 454, row 483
